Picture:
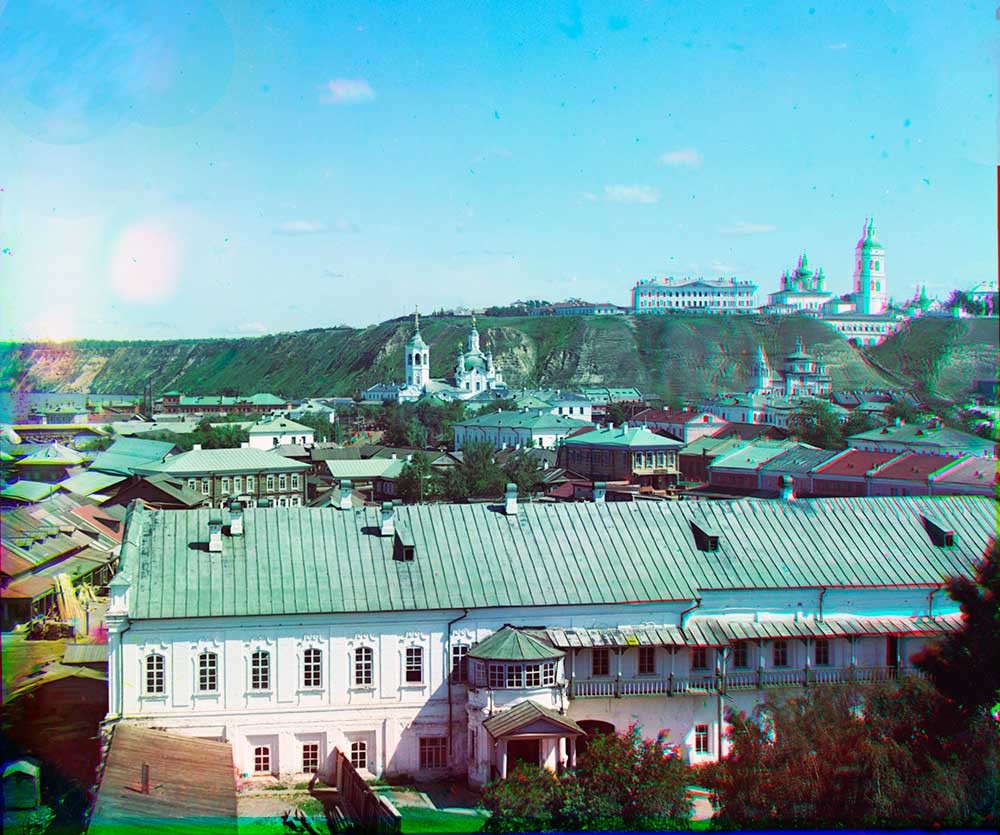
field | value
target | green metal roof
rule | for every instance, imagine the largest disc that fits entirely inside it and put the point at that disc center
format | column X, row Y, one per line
column 509, row 644
column 220, row 461
column 365, row 468
column 526, row 713
column 278, row 426
column 86, row 483
column 753, row 456
column 800, row 458
column 53, row 454
column 537, row 421
column 28, row 491
column 319, row 560
column 125, row 454
column 932, row 436
column 633, row 437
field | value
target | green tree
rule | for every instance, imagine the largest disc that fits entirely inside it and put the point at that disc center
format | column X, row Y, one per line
column 416, row 481
column 529, row 800
column 618, row 413
column 523, row 470
column 902, row 410
column 482, row 476
column 816, row 423
column 320, row 425
column 507, row 404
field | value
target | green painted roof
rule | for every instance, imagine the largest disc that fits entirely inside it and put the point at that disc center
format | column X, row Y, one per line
column 84, row 484
column 226, row 400
column 221, row 461
column 710, row 445
column 941, row 436
column 526, row 420
column 800, row 458
column 365, row 468
column 753, row 456
column 509, row 644
column 279, row 426
column 579, row 553
column 125, row 454
column 632, row 437
column 28, row 491
column 524, row 713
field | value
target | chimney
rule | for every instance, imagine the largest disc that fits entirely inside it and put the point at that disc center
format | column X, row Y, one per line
column 600, row 492
column 388, row 522
column 196, row 448
column 787, row 489
column 510, row 500
column 344, row 502
column 611, row 426
column 144, row 779
column 215, row 533
column 236, row 519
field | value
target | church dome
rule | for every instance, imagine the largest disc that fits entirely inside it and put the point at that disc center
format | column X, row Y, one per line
column 870, row 240
column 473, row 361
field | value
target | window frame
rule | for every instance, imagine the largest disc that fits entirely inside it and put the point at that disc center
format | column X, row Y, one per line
column 702, row 740
column 699, row 658
column 823, row 643
column 359, row 746
column 741, row 655
column 460, row 663
column 309, row 750
column 262, row 755
column 413, row 664
column 312, row 668
column 432, row 752
column 260, row 674
column 208, row 672
column 779, row 649
column 647, row 655
column 155, row 674
column 605, row 663
column 363, row 667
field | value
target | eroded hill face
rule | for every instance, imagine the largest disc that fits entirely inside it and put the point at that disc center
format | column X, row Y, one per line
column 679, row 357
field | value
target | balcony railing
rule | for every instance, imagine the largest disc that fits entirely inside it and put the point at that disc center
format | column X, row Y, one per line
column 736, row 680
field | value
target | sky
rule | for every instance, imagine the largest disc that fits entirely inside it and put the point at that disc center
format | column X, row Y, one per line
column 190, row 169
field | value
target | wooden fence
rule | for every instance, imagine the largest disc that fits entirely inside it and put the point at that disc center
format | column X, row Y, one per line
column 349, row 802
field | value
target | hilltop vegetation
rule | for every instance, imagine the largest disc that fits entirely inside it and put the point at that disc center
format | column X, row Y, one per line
column 677, row 357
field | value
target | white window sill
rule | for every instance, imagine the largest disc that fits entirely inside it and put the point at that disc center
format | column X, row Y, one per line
column 206, row 694
column 362, row 688
column 153, row 697
column 413, row 685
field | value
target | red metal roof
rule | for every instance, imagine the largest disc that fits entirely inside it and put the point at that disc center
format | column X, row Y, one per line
column 914, row 467
column 675, row 416
column 856, row 462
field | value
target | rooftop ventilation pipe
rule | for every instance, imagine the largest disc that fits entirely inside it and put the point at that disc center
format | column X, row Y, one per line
column 236, row 519
column 787, row 493
column 388, row 520
column 344, row 500
column 600, row 492
column 510, row 500
column 215, row 533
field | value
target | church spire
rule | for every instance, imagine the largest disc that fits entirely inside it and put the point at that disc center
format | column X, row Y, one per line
column 416, row 318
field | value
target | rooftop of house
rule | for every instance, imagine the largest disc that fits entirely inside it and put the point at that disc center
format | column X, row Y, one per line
column 920, row 435
column 536, row 420
column 27, row 491
column 280, row 426
column 477, row 556
column 125, row 454
column 913, row 467
column 854, row 462
column 799, row 459
column 260, row 399
column 969, row 471
column 222, row 461
column 90, row 482
column 754, row 455
column 627, row 435
column 713, row 446
column 678, row 416
column 366, row 467
column 54, row 454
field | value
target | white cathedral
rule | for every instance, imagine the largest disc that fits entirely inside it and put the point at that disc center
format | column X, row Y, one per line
column 475, row 372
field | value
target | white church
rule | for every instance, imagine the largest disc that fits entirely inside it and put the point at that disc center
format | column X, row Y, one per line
column 475, row 372
column 453, row 641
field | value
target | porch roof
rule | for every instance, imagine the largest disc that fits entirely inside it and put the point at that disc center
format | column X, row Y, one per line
column 531, row 714
column 509, row 644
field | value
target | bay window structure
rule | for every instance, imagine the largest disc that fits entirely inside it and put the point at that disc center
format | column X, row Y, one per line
column 510, row 659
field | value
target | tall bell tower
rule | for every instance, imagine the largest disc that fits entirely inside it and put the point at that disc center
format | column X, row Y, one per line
column 871, row 294
column 418, row 357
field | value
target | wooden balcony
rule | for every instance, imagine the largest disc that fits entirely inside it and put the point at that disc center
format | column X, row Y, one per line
column 736, row 680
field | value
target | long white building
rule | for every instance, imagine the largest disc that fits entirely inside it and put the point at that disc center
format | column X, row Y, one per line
column 709, row 295
column 455, row 640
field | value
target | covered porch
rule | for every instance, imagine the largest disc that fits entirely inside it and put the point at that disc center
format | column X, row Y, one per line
column 530, row 733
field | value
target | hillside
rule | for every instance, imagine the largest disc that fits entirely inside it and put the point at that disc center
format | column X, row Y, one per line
column 678, row 357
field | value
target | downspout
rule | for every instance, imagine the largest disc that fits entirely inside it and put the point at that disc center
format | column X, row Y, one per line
column 930, row 601
column 465, row 614
column 823, row 590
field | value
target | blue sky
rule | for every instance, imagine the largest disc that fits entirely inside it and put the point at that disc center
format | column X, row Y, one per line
column 197, row 169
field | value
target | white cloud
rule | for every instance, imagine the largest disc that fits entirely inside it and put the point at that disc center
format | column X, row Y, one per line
column 743, row 227
column 631, row 194
column 347, row 91
column 300, row 227
column 682, row 156
column 252, row 327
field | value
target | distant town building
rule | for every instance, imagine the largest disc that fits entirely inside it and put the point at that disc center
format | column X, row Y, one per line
column 801, row 375
column 683, row 424
column 578, row 307
column 534, row 428
column 929, row 439
column 175, row 403
column 623, row 453
column 272, row 433
column 712, row 295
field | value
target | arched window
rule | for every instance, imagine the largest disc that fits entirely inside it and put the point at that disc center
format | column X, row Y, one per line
column 208, row 672
column 312, row 668
column 156, row 670
column 364, row 664
column 260, row 670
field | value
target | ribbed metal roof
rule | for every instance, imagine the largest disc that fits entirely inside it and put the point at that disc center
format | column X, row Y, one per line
column 509, row 644
column 215, row 461
column 323, row 560
column 527, row 713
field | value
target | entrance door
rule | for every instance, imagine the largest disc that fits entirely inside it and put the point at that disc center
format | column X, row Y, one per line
column 523, row 751
column 891, row 650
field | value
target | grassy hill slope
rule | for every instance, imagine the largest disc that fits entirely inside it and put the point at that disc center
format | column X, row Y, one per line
column 679, row 357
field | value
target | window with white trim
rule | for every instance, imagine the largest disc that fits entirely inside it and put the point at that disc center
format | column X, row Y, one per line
column 359, row 753
column 262, row 759
column 433, row 752
column 282, row 482
column 364, row 666
column 497, row 676
column 156, row 674
column 260, row 670
column 251, row 483
column 312, row 668
column 208, row 672
column 310, row 757
column 414, row 669
column 270, row 484
column 237, row 484
column 204, row 486
column 701, row 739
column 295, row 481
column 225, row 484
